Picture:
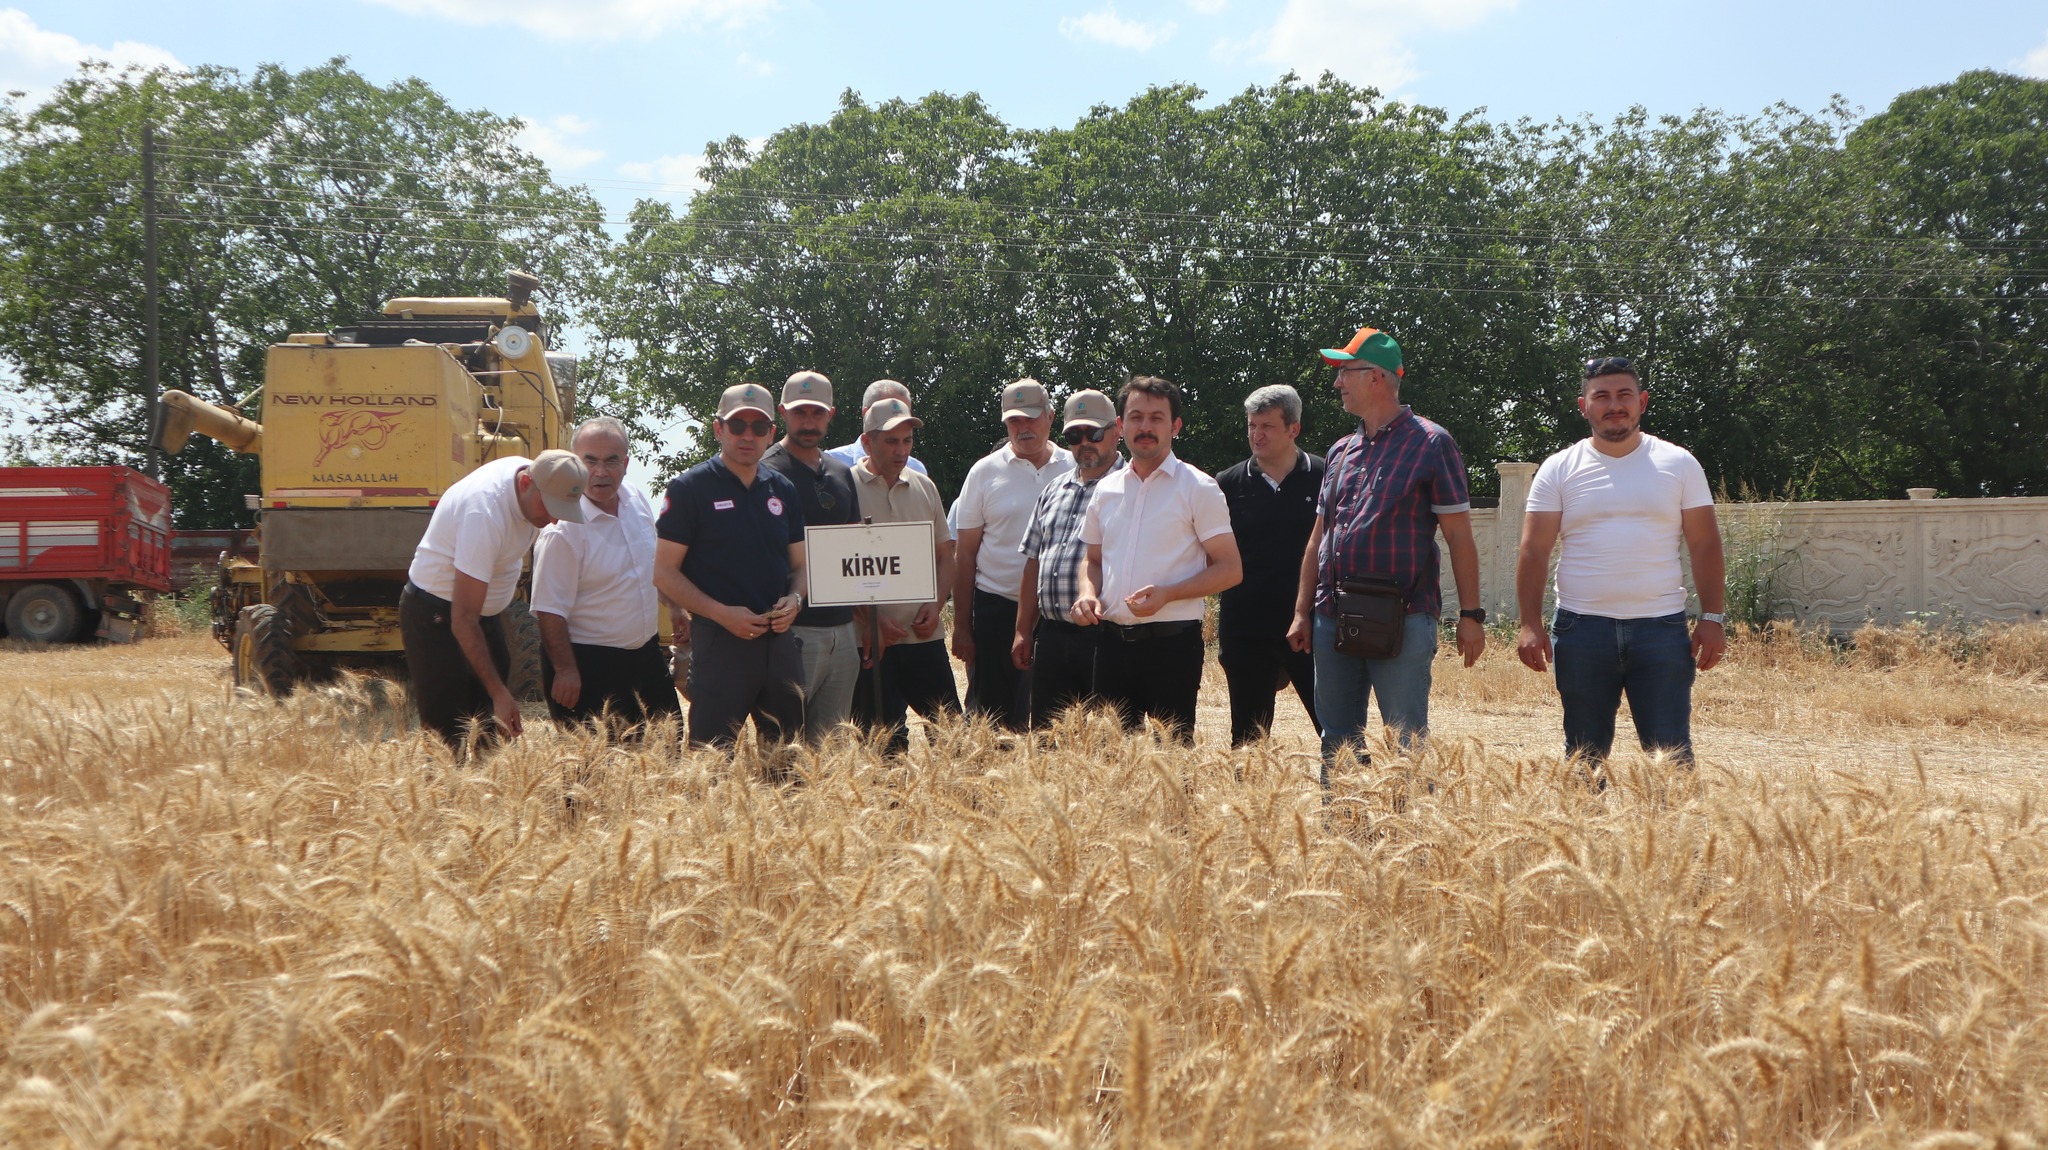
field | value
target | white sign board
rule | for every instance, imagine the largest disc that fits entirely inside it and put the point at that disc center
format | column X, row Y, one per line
column 855, row 564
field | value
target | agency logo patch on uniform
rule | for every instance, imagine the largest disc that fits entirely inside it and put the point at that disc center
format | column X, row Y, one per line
column 774, row 505
column 721, row 505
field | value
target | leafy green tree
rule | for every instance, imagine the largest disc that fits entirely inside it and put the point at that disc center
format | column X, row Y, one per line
column 879, row 244
column 288, row 202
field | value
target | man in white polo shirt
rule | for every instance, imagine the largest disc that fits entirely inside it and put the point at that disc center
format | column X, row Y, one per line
column 1159, row 542
column 992, row 513
column 593, row 596
column 464, row 573
column 1623, row 503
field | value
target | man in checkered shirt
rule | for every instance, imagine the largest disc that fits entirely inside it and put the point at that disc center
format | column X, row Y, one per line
column 1057, row 654
column 1387, row 488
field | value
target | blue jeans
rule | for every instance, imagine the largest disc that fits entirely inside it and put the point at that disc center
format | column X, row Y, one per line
column 1344, row 681
column 1597, row 659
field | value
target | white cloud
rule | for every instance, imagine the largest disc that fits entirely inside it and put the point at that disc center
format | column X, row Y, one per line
column 2035, row 63
column 676, row 174
column 1363, row 41
column 551, row 140
column 754, row 64
column 34, row 60
column 1106, row 27
column 592, row 19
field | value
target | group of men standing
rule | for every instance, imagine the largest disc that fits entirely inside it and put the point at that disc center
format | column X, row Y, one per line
column 1076, row 575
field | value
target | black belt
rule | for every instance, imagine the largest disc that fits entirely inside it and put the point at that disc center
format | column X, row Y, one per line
column 1052, row 624
column 1139, row 632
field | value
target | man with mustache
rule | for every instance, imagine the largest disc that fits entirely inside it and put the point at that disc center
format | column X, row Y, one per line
column 1056, row 653
column 1159, row 542
column 1387, row 488
column 914, row 670
column 824, row 491
column 594, row 598
column 992, row 512
column 1623, row 503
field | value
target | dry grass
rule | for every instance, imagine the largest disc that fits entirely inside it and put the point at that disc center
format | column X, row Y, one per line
column 226, row 922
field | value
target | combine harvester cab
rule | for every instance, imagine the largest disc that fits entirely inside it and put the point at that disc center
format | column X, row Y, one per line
column 362, row 430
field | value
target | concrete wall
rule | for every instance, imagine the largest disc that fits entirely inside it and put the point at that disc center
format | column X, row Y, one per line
column 1890, row 561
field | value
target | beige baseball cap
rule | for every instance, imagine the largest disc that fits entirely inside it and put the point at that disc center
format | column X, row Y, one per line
column 1027, row 398
column 889, row 414
column 1089, row 408
column 746, row 397
column 807, row 388
column 561, row 478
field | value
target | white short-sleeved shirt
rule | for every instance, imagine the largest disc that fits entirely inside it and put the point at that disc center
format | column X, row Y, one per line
column 1151, row 532
column 477, row 529
column 999, row 496
column 1620, row 536
column 598, row 575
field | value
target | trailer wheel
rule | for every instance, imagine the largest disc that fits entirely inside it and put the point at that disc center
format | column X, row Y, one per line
column 264, row 659
column 43, row 613
column 522, row 643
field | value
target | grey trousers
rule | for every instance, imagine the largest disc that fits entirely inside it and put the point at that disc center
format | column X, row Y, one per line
column 831, row 664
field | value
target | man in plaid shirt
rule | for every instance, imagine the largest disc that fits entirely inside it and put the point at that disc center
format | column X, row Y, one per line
column 1387, row 488
column 1057, row 654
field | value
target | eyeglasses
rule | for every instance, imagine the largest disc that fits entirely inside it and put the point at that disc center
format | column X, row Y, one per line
column 1610, row 365
column 750, row 426
column 1076, row 436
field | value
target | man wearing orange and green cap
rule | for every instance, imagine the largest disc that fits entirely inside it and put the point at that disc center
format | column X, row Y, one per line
column 1387, row 488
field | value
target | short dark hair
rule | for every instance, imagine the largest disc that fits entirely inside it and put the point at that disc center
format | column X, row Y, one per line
column 1609, row 365
column 1148, row 385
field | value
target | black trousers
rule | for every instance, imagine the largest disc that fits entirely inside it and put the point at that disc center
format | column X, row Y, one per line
column 446, row 690
column 1156, row 673
column 996, row 687
column 1062, row 668
column 734, row 679
column 633, row 684
column 915, row 676
column 1257, row 667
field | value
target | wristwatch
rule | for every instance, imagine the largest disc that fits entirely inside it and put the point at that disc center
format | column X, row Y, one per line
column 1713, row 617
column 1476, row 614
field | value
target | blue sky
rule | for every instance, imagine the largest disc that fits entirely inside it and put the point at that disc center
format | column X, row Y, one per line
column 622, row 94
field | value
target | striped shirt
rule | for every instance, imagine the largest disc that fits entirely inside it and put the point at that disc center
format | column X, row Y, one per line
column 1054, row 539
column 1380, row 502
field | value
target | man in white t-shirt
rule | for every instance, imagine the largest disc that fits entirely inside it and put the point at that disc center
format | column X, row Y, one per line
column 992, row 513
column 1159, row 542
column 464, row 573
column 1622, row 503
column 594, row 598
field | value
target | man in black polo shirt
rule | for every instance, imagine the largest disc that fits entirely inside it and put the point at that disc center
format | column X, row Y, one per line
column 730, row 550
column 824, row 492
column 1272, row 498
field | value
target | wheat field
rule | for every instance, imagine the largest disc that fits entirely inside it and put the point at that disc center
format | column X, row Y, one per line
column 226, row 921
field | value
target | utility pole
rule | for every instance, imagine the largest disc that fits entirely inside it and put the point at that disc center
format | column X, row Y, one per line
column 149, row 346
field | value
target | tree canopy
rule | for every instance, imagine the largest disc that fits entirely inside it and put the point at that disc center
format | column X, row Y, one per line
column 1821, row 304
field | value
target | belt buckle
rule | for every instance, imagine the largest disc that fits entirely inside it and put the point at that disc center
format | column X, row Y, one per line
column 1128, row 632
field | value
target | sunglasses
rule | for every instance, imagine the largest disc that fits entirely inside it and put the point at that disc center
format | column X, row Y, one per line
column 1080, row 435
column 1610, row 365
column 750, row 426
column 826, row 500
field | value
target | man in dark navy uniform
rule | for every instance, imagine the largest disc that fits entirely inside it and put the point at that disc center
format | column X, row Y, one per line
column 730, row 550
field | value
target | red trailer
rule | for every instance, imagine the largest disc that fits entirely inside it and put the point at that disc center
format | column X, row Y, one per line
column 81, row 549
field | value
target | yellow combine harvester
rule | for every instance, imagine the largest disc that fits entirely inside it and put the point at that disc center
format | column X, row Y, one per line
column 362, row 430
